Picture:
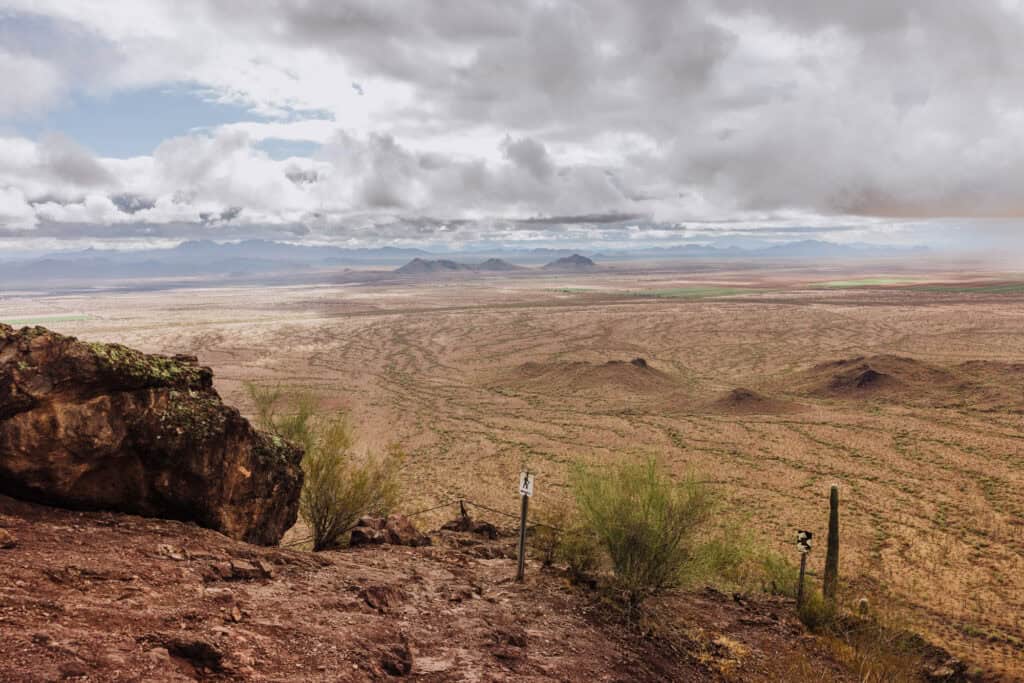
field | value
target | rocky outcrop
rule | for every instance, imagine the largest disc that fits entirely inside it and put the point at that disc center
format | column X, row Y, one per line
column 104, row 427
column 392, row 530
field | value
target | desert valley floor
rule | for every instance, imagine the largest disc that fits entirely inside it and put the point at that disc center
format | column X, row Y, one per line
column 773, row 382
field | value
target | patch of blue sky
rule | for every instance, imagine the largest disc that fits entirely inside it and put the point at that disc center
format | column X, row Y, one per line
column 134, row 122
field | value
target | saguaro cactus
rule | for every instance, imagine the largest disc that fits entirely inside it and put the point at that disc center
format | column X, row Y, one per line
column 831, row 581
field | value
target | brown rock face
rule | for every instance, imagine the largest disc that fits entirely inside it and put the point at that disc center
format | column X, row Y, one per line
column 102, row 426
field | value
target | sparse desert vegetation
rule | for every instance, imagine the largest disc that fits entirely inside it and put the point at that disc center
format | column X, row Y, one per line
column 476, row 378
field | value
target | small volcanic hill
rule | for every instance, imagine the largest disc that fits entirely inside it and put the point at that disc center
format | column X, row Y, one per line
column 742, row 401
column 610, row 379
column 974, row 385
column 420, row 266
column 874, row 375
column 574, row 262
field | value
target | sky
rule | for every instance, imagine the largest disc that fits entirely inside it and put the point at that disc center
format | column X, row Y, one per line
column 378, row 122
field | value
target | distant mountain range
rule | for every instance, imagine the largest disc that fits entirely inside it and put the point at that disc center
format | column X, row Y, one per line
column 263, row 260
column 419, row 266
column 197, row 252
column 802, row 249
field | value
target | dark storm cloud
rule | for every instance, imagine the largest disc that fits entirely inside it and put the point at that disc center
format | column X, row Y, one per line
column 596, row 219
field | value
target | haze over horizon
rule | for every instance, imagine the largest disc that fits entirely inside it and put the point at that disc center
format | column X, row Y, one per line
column 529, row 123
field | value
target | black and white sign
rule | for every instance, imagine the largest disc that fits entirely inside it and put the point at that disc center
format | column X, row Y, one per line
column 525, row 484
column 803, row 541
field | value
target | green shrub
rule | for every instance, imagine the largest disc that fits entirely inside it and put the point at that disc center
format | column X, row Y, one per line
column 544, row 542
column 817, row 613
column 728, row 558
column 779, row 575
column 645, row 523
column 579, row 548
column 338, row 489
column 551, row 518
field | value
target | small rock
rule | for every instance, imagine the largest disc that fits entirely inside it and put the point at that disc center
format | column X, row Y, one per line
column 222, row 595
column 509, row 635
column 112, row 661
column 73, row 670
column 44, row 639
column 380, row 597
column 266, row 568
column 399, row 530
column 242, row 569
column 371, row 522
column 466, row 524
column 460, row 523
column 221, row 570
column 239, row 570
column 364, row 535
column 506, row 653
column 7, row 540
column 397, row 660
column 236, row 614
column 485, row 529
column 170, row 552
column 460, row 593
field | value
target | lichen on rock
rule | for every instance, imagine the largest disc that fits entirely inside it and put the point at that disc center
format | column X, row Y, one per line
column 103, row 426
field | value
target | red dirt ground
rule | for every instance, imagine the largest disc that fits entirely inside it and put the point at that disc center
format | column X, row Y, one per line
column 110, row 597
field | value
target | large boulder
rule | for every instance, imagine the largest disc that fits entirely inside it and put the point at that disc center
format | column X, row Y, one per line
column 105, row 427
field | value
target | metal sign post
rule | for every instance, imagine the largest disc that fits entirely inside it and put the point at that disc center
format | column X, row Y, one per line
column 526, row 491
column 803, row 544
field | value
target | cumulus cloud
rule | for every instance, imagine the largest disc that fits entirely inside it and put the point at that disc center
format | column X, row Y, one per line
column 15, row 212
column 30, row 84
column 502, row 111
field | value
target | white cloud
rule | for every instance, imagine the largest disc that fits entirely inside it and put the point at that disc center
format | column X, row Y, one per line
column 15, row 212
column 492, row 110
column 30, row 85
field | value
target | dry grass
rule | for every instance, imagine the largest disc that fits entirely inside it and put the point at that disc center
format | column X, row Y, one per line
column 933, row 497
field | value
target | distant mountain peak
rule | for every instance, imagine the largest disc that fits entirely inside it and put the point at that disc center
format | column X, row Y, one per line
column 419, row 266
column 573, row 262
column 497, row 264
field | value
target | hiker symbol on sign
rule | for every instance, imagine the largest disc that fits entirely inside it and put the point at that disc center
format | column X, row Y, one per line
column 525, row 484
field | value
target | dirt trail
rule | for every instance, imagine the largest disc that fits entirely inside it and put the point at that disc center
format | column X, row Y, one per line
column 109, row 597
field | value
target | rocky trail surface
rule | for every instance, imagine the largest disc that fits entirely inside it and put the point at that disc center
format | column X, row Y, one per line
column 102, row 596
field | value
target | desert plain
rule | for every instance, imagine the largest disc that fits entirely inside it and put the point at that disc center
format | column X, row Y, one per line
column 902, row 384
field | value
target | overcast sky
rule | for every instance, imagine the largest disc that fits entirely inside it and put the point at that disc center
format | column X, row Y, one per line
column 379, row 122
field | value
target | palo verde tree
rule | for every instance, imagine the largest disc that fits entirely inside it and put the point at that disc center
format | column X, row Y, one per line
column 644, row 521
column 339, row 487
